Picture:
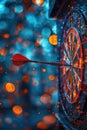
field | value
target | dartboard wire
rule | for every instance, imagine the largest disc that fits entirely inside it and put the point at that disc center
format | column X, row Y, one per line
column 65, row 87
column 64, row 77
column 68, row 85
column 77, row 57
column 79, row 64
column 65, row 70
column 73, row 44
column 66, row 59
column 66, row 45
column 77, row 75
column 66, row 93
column 77, row 81
column 70, row 48
column 71, row 92
column 67, row 51
column 77, row 48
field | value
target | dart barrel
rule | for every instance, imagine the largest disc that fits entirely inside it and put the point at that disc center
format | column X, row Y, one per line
column 73, row 51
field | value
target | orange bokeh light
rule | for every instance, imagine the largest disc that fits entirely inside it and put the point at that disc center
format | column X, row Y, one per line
column 53, row 39
column 25, row 91
column 45, row 98
column 9, row 87
column 19, row 39
column 3, row 51
column 1, row 69
column 37, row 44
column 49, row 119
column 38, row 2
column 6, row 36
column 17, row 110
column 42, row 125
column 43, row 70
column 51, row 77
column 26, row 78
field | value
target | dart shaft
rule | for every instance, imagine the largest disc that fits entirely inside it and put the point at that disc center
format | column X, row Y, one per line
column 41, row 62
column 48, row 63
column 59, row 64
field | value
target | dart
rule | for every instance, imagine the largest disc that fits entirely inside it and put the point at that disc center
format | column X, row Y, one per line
column 19, row 60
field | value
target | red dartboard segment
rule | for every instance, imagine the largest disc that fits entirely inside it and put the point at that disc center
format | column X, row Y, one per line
column 73, row 56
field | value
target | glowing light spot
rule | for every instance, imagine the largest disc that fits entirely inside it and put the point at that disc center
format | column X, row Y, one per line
column 26, row 78
column 8, row 120
column 9, row 87
column 43, row 70
column 14, row 68
column 2, row 8
column 49, row 90
column 49, row 119
column 19, row 39
column 31, row 19
column 53, row 39
column 54, row 29
column 42, row 125
column 1, row 69
column 25, row 91
column 38, row 2
column 46, row 32
column 44, row 43
column 19, row 9
column 37, row 43
column 19, row 26
column 51, row 77
column 17, row 110
column 3, row 51
column 45, row 99
column 35, row 82
column 6, row 36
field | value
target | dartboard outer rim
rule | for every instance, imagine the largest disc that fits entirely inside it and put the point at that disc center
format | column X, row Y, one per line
column 67, row 117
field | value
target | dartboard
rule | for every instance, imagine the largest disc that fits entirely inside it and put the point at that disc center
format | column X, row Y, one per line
column 72, row 74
